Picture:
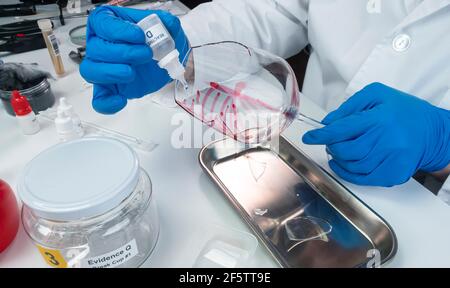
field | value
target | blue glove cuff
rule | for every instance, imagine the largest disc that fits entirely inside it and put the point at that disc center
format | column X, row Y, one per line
column 441, row 155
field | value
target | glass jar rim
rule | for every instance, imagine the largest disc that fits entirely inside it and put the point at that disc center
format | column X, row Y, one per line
column 31, row 92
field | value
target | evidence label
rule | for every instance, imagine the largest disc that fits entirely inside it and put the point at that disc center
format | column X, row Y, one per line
column 113, row 258
column 156, row 34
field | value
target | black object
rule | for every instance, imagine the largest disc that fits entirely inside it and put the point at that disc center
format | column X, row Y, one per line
column 61, row 4
column 21, row 37
column 22, row 44
column 39, row 95
column 22, row 27
column 194, row 3
column 39, row 2
column 77, row 56
column 20, row 76
column 17, row 10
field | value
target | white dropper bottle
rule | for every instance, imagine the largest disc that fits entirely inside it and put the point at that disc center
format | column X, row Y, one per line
column 70, row 112
column 65, row 127
column 163, row 47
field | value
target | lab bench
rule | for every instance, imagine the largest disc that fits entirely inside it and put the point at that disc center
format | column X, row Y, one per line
column 188, row 201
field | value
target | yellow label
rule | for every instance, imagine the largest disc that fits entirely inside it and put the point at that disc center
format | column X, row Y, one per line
column 53, row 257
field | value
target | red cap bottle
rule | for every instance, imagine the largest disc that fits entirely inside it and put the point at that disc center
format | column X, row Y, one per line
column 24, row 113
column 20, row 104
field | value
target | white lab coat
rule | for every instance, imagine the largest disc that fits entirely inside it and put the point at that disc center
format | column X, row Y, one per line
column 402, row 43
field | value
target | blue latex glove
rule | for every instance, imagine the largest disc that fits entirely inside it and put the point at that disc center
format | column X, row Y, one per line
column 118, row 61
column 381, row 137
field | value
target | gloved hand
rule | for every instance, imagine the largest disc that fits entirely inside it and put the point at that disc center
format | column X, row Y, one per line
column 381, row 137
column 118, row 61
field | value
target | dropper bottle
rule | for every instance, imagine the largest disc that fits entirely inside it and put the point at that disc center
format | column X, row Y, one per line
column 163, row 47
column 64, row 127
column 52, row 45
column 70, row 112
column 24, row 114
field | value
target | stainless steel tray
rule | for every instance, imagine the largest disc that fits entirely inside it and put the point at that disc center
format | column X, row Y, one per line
column 290, row 202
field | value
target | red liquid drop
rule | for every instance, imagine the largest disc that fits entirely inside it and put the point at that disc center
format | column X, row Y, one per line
column 214, row 85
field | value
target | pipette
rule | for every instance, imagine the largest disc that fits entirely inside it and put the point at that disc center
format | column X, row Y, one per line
column 92, row 129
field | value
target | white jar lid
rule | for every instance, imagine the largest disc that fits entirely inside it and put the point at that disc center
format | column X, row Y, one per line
column 79, row 179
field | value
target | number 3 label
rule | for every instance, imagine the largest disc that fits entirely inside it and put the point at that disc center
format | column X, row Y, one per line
column 53, row 257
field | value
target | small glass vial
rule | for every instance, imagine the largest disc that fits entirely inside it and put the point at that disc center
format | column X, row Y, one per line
column 88, row 204
column 52, row 45
column 163, row 46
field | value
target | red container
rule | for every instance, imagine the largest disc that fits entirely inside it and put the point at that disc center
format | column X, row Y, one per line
column 9, row 215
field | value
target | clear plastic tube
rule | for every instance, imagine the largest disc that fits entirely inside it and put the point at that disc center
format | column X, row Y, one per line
column 138, row 143
column 92, row 129
column 309, row 120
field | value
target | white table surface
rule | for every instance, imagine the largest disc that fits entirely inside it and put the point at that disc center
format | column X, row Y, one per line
column 187, row 200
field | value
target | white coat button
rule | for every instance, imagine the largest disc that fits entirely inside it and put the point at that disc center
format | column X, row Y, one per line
column 401, row 42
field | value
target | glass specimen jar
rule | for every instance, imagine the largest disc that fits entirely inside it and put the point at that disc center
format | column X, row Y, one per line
column 87, row 203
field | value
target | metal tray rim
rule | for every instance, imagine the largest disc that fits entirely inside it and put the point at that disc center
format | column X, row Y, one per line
column 236, row 205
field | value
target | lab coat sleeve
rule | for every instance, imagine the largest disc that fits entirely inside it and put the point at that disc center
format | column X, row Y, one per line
column 444, row 193
column 278, row 26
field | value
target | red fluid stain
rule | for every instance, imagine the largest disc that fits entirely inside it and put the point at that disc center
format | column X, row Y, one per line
column 236, row 93
column 208, row 93
column 214, row 85
column 220, row 103
column 224, row 107
column 233, row 106
column 225, row 128
column 239, row 87
column 215, row 102
column 192, row 106
column 198, row 96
